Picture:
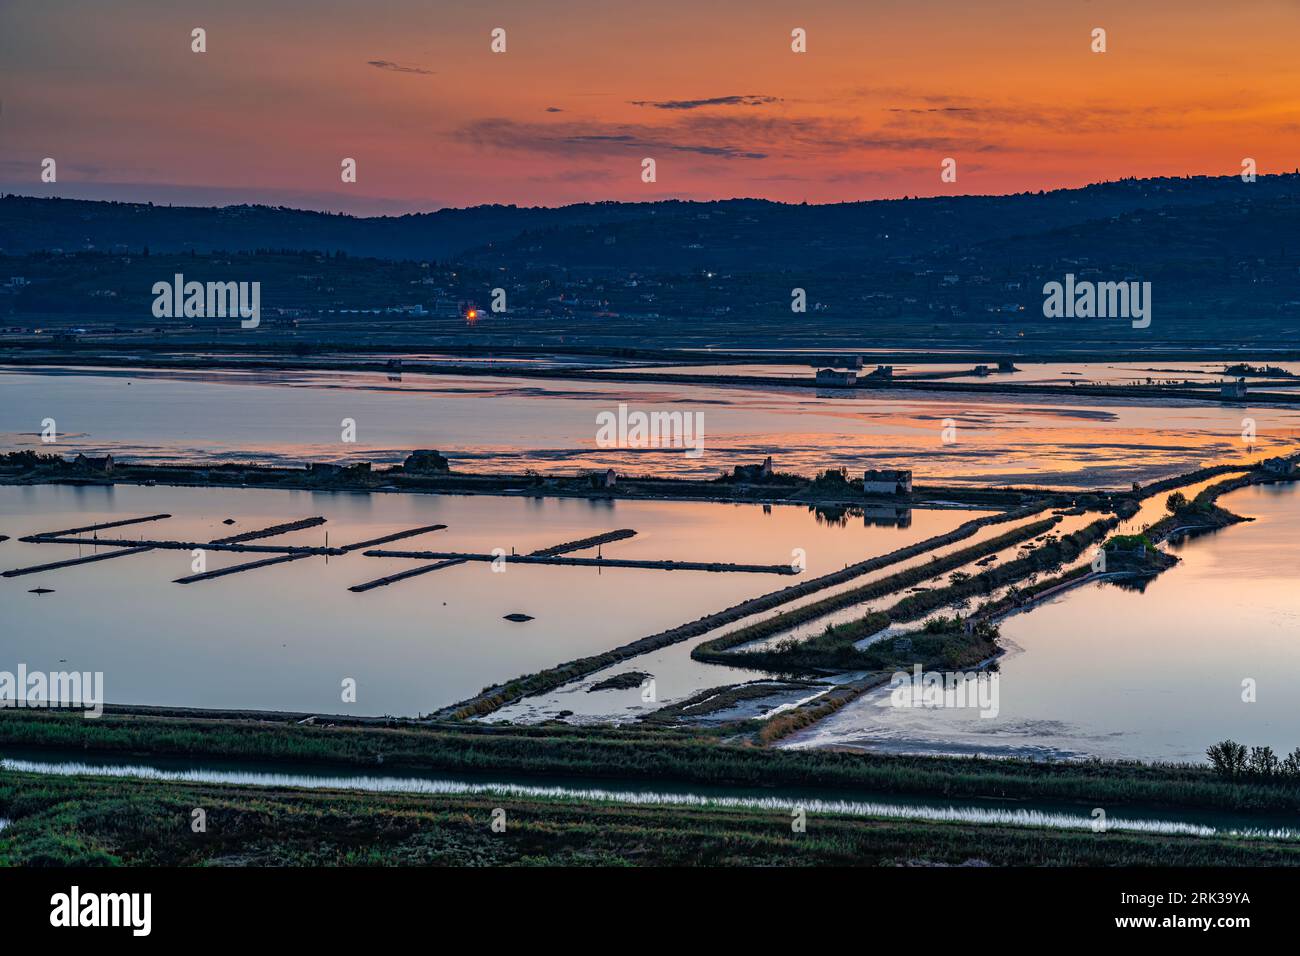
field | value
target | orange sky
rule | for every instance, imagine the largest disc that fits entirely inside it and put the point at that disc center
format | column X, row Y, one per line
column 586, row 90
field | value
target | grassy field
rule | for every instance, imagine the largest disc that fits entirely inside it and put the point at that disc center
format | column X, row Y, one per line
column 653, row 754
column 89, row 822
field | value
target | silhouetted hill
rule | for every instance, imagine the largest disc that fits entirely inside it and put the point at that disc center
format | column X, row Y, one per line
column 1220, row 255
column 644, row 237
column 71, row 225
column 845, row 238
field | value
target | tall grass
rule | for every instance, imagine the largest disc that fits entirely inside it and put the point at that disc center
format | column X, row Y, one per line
column 662, row 754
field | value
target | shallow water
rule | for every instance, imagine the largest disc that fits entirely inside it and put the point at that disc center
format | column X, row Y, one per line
column 285, row 637
column 1153, row 675
column 508, row 424
column 1036, row 373
column 679, row 676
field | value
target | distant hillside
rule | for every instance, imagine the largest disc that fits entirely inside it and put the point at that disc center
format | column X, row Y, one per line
column 646, row 237
column 1221, row 256
column 72, row 225
column 856, row 238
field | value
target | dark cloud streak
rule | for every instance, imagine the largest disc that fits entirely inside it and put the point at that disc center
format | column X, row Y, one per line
column 398, row 68
column 571, row 139
column 750, row 99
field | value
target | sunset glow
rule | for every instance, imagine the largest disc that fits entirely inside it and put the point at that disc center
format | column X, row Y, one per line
column 434, row 118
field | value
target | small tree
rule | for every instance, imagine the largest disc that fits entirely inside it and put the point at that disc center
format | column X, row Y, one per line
column 1228, row 758
column 1176, row 502
column 833, row 477
column 1263, row 762
column 1291, row 765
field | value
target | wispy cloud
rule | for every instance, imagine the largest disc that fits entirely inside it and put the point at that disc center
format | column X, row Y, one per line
column 930, row 109
column 747, row 136
column 745, row 100
column 573, row 139
column 800, row 137
column 1055, row 117
column 398, row 68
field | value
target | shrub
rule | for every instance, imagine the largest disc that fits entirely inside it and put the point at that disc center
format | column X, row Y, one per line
column 1233, row 761
column 1263, row 762
column 1228, row 758
column 1291, row 765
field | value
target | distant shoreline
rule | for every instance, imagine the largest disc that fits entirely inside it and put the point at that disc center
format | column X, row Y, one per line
column 277, row 361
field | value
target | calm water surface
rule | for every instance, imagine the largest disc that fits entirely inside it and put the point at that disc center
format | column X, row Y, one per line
column 508, row 424
column 1156, row 675
column 285, row 637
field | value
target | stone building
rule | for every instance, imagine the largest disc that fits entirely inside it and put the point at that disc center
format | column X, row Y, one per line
column 887, row 481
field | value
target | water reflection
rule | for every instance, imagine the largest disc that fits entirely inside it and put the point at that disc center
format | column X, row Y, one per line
column 881, row 516
column 293, row 416
column 284, row 637
column 1154, row 673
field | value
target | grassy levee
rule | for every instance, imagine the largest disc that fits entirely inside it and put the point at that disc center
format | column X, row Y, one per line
column 715, row 651
column 1030, row 592
column 1192, row 477
column 1211, row 494
column 946, row 647
column 639, row 753
column 1203, row 510
column 96, row 822
column 1203, row 504
column 1043, row 558
column 497, row 696
column 796, row 719
column 715, row 699
column 942, row 644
